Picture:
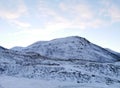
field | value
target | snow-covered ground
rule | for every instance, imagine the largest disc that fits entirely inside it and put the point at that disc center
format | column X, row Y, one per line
column 72, row 47
column 13, row 82
column 71, row 62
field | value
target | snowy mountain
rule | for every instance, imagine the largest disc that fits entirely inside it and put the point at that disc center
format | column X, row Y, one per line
column 70, row 60
column 17, row 48
column 73, row 47
column 114, row 52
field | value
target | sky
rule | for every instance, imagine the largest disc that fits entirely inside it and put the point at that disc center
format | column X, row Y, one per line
column 23, row 22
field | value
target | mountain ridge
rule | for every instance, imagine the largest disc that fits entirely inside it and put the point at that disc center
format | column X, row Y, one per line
column 71, row 47
column 74, row 60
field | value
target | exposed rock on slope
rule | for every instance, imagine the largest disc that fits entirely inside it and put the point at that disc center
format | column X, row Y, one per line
column 65, row 59
column 73, row 47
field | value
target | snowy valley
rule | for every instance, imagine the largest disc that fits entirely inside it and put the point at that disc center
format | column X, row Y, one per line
column 71, row 62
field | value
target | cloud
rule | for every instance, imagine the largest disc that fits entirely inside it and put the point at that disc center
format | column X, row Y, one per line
column 54, row 20
column 114, row 13
column 76, row 16
column 63, row 7
column 111, row 9
column 32, row 34
column 97, row 23
column 81, row 10
column 21, row 24
column 12, row 9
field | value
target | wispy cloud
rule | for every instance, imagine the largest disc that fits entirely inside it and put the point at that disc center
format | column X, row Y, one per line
column 114, row 13
column 79, row 16
column 111, row 10
column 20, row 24
column 80, row 10
column 32, row 34
column 12, row 9
column 63, row 15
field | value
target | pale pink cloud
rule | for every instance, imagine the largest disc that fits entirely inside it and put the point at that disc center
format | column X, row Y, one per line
column 111, row 10
column 15, row 12
column 21, row 24
column 114, row 13
column 12, row 15
column 97, row 23
column 63, row 7
column 82, row 14
column 83, row 11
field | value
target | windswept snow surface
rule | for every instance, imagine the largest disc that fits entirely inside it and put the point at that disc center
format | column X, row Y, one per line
column 13, row 82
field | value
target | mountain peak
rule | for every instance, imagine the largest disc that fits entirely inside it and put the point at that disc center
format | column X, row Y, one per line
column 70, row 39
column 74, row 37
column 72, row 47
column 65, row 59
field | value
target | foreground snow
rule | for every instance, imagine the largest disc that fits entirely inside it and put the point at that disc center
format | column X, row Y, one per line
column 13, row 82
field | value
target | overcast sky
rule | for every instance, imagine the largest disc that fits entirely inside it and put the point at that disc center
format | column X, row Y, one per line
column 23, row 22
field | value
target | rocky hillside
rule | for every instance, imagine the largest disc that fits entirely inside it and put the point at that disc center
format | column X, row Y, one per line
column 72, row 47
column 65, row 59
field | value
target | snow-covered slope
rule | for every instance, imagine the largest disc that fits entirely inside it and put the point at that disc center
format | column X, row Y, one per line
column 76, row 72
column 17, row 48
column 72, row 47
column 14, row 57
column 10, row 82
column 71, row 59
column 114, row 52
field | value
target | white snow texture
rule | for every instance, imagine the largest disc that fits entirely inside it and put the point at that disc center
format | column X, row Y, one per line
column 71, row 62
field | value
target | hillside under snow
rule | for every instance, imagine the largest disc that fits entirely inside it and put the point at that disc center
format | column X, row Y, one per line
column 71, row 48
column 72, row 62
